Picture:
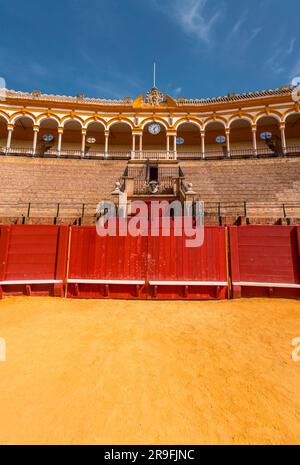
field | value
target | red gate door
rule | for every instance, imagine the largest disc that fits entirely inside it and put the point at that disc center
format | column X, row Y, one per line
column 178, row 270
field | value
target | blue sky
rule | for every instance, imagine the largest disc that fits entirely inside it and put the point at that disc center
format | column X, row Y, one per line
column 105, row 48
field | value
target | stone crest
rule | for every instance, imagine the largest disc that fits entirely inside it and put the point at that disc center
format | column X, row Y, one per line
column 154, row 97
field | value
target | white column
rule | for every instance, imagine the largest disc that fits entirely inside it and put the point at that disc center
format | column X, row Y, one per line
column 59, row 142
column 35, row 136
column 175, row 146
column 133, row 146
column 203, row 144
column 10, row 129
column 106, row 133
column 83, row 133
column 141, row 145
column 254, row 133
column 228, row 141
column 283, row 138
column 168, row 146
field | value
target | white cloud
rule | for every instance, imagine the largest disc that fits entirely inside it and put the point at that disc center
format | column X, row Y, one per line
column 291, row 46
column 176, row 92
column 38, row 69
column 193, row 17
column 277, row 61
column 2, row 83
column 255, row 33
column 110, row 83
column 295, row 71
column 242, row 19
column 240, row 37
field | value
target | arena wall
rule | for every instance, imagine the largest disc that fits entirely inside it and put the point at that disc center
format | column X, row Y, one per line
column 249, row 261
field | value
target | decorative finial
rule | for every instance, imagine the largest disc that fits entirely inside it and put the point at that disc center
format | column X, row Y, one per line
column 154, row 73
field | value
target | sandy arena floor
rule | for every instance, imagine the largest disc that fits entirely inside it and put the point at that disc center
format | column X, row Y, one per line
column 117, row 372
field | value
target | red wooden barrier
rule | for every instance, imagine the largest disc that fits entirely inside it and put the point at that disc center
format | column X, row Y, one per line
column 177, row 271
column 147, row 267
column 265, row 261
column 33, row 259
column 106, row 266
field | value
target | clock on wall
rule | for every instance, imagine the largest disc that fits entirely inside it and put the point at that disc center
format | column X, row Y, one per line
column 154, row 129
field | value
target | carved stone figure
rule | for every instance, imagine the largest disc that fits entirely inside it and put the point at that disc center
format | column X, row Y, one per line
column 153, row 187
column 154, row 97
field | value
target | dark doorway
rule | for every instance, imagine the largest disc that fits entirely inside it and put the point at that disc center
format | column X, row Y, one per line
column 153, row 173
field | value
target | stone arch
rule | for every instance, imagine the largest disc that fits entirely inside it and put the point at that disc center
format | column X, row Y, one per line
column 292, row 129
column 117, row 120
column 93, row 120
column 45, row 116
column 244, row 116
column 48, row 126
column 272, row 114
column 72, row 136
column 218, row 119
column 269, row 123
column 22, row 114
column 241, row 136
column 120, row 136
column 215, row 128
column 154, row 119
column 22, row 136
column 189, row 137
column 194, row 121
column 95, row 136
column 3, row 131
column 5, row 116
column 155, row 142
column 66, row 119
column 289, row 113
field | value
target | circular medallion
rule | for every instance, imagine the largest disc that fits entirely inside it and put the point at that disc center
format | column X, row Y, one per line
column 180, row 141
column 220, row 139
column 48, row 138
column 91, row 140
column 266, row 135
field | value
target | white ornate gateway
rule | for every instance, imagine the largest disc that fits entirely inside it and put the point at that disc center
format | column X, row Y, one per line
column 155, row 126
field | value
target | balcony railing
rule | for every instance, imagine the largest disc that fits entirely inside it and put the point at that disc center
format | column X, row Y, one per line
column 154, row 155
column 210, row 154
column 65, row 153
column 165, row 187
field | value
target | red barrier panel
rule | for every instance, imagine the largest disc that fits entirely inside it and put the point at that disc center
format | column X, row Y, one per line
column 106, row 266
column 176, row 270
column 147, row 267
column 33, row 259
column 265, row 261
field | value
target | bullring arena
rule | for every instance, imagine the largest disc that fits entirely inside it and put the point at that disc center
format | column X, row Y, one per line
column 143, row 340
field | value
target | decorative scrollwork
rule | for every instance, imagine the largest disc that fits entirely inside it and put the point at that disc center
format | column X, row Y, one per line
column 154, row 97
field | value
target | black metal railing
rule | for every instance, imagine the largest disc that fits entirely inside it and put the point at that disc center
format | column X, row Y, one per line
column 65, row 153
column 210, row 154
column 165, row 187
column 211, row 209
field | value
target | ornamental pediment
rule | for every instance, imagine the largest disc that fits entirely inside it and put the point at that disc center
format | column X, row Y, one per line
column 154, row 98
